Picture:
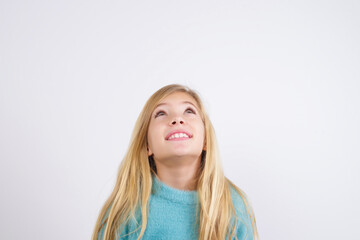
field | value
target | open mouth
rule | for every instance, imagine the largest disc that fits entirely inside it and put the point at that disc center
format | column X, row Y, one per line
column 178, row 134
column 178, row 137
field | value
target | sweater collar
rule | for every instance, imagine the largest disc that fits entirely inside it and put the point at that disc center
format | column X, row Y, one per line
column 175, row 195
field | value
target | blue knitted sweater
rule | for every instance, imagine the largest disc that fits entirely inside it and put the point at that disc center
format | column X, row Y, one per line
column 172, row 216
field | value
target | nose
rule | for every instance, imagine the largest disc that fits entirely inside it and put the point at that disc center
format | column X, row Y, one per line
column 177, row 120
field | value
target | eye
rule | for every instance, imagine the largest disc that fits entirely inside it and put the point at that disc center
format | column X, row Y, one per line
column 159, row 113
column 190, row 110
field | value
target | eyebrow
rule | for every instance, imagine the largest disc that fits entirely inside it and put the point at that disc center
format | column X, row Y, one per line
column 184, row 102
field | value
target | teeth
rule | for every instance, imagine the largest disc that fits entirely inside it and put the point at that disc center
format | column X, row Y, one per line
column 178, row 135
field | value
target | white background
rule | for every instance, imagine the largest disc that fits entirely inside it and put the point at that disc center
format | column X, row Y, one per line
column 280, row 81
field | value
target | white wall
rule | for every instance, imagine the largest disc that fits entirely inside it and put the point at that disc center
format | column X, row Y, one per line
column 280, row 80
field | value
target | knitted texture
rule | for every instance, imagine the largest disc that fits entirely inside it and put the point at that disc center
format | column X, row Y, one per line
column 172, row 216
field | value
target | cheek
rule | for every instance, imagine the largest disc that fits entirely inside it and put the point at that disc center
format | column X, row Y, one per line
column 150, row 134
column 151, row 137
column 202, row 130
column 154, row 135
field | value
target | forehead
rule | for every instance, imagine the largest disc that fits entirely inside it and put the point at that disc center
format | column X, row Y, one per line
column 178, row 98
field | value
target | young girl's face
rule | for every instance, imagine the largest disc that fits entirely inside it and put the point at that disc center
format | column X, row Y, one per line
column 176, row 129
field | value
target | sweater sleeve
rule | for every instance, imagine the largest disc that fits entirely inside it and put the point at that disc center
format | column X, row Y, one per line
column 121, row 236
column 127, row 231
column 244, row 228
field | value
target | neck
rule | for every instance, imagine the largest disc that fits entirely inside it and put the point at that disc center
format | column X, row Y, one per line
column 182, row 177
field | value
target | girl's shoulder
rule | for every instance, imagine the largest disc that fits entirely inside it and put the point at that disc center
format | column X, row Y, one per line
column 243, row 214
column 239, row 200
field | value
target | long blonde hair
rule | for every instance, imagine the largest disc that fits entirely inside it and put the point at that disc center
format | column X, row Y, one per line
column 134, row 182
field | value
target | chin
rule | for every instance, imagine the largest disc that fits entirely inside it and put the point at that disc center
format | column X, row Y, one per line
column 180, row 154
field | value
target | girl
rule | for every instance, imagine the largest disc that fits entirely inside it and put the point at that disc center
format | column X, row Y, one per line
column 170, row 183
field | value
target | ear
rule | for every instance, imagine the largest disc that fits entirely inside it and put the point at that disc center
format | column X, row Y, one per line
column 149, row 151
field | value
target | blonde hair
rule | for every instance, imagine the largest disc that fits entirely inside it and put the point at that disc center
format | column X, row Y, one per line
column 134, row 182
